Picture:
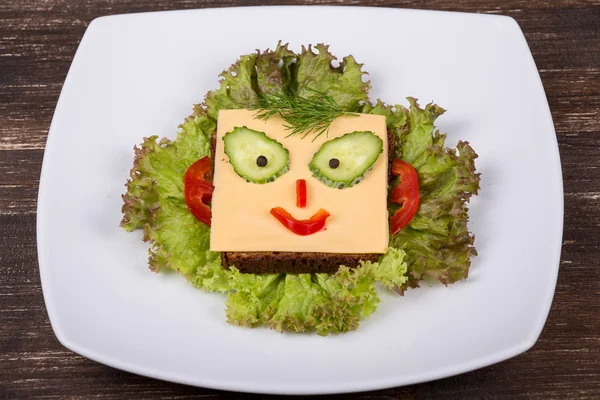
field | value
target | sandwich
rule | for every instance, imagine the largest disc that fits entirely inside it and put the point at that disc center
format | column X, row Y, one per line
column 293, row 192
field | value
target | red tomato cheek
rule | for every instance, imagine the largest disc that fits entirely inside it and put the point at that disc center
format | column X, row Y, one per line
column 406, row 193
column 198, row 191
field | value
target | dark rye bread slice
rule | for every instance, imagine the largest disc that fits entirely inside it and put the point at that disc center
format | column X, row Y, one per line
column 276, row 262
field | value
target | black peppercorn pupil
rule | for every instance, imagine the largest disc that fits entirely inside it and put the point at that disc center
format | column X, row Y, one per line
column 261, row 161
column 334, row 163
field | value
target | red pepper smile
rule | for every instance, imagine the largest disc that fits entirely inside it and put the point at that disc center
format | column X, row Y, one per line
column 302, row 227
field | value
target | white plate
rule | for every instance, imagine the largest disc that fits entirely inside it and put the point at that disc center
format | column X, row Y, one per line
column 136, row 75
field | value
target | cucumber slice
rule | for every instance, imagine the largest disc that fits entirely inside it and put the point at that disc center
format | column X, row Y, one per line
column 254, row 156
column 343, row 162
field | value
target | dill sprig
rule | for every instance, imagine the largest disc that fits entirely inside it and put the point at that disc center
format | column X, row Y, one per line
column 303, row 115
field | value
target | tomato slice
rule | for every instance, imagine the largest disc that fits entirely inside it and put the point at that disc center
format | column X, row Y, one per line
column 198, row 190
column 407, row 173
column 406, row 193
column 301, row 193
column 303, row 227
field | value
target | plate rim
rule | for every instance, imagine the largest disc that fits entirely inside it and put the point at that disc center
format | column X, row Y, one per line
column 262, row 388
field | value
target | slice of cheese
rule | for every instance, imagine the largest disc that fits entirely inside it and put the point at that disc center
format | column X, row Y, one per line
column 241, row 219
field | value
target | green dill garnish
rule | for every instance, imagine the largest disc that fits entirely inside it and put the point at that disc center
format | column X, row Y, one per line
column 304, row 115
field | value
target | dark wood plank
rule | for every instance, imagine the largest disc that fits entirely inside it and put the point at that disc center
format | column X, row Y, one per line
column 37, row 42
column 20, row 177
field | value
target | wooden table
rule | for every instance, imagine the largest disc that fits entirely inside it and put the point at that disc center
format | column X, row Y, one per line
column 37, row 43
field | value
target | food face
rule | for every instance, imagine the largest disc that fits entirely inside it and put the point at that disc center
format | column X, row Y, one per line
column 302, row 178
column 259, row 168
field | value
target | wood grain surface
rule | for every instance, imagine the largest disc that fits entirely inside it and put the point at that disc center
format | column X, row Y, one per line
column 37, row 41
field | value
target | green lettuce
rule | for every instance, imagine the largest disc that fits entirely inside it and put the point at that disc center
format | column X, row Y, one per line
column 325, row 303
column 274, row 70
column 435, row 244
column 437, row 241
column 343, row 83
column 155, row 202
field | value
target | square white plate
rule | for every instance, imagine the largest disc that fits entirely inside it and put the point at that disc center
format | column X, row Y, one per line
column 136, row 75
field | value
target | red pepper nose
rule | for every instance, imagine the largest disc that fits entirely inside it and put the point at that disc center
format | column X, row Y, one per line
column 301, row 193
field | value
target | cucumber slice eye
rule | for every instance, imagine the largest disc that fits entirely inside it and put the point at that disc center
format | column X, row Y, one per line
column 254, row 156
column 344, row 161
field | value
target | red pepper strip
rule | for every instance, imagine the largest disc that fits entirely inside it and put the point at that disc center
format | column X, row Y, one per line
column 406, row 193
column 304, row 227
column 406, row 171
column 301, row 193
column 198, row 190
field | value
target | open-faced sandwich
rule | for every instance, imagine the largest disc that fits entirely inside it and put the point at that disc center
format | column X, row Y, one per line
column 293, row 192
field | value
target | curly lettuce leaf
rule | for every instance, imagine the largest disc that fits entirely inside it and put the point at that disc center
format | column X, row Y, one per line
column 322, row 303
column 212, row 276
column 155, row 202
column 391, row 270
column 250, row 77
column 396, row 117
column 237, row 87
column 437, row 242
column 257, row 74
column 140, row 201
column 274, row 70
column 343, row 83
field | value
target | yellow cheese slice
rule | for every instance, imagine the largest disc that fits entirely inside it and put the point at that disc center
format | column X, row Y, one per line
column 241, row 219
